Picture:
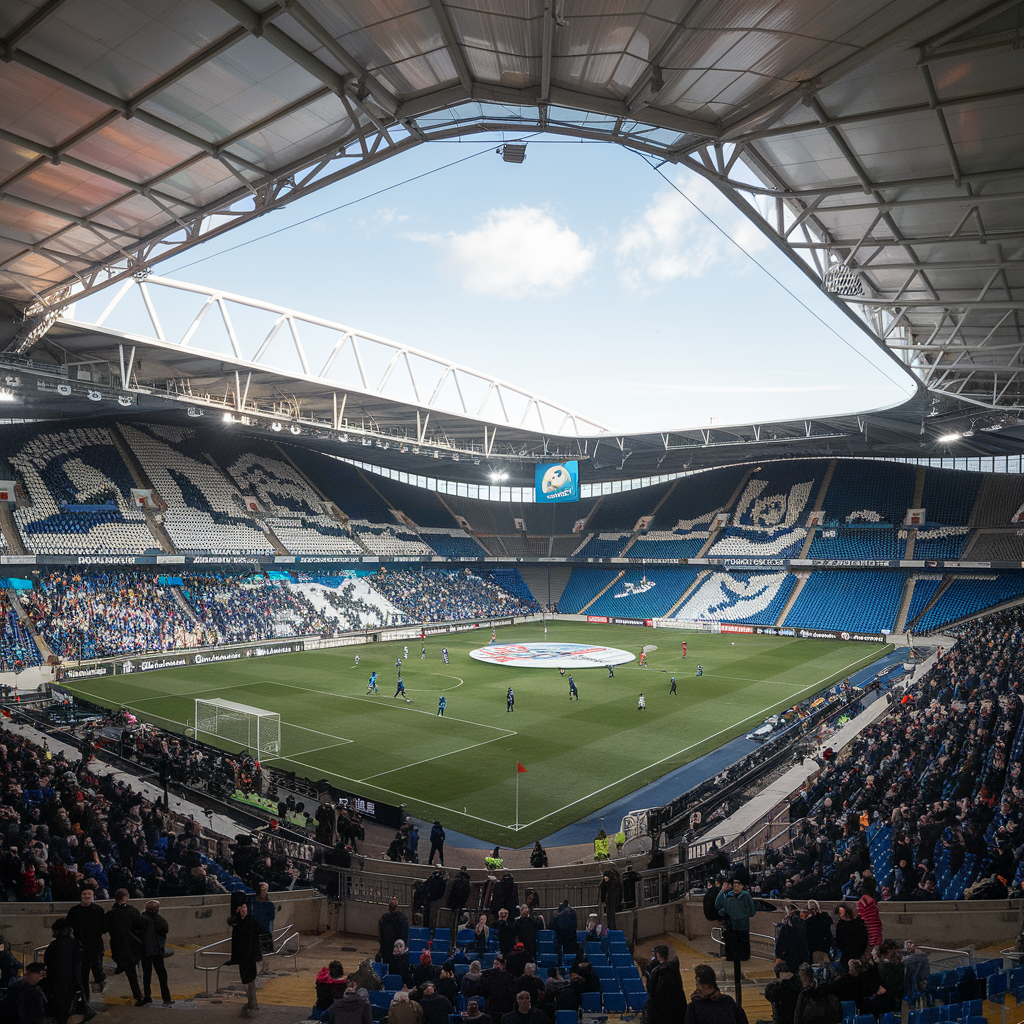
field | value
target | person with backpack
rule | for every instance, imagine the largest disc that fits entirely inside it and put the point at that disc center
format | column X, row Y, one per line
column 816, row 1004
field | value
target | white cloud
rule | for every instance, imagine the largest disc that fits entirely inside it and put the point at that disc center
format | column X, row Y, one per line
column 671, row 239
column 515, row 253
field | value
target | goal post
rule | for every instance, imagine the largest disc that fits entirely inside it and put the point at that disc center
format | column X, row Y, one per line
column 239, row 725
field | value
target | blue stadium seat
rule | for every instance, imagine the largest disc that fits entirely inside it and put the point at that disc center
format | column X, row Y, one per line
column 637, row 1000
column 392, row 982
column 849, row 1009
column 603, row 972
column 419, row 933
column 591, row 1002
column 997, row 988
column 615, row 1002
column 565, row 1017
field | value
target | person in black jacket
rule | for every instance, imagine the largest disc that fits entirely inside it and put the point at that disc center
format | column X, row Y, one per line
column 851, row 933
column 25, row 1001
column 392, row 926
column 124, row 927
column 565, row 924
column 783, row 995
column 791, row 944
column 63, row 981
column 457, row 895
column 154, row 938
column 246, row 953
column 820, row 935
column 88, row 922
column 666, row 1000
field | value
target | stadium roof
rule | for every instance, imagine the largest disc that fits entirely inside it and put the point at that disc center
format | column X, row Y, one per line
column 879, row 144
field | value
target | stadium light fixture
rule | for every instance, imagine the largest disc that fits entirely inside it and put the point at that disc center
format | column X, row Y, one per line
column 513, row 152
column 498, row 475
column 295, row 428
column 228, row 418
column 949, row 438
column 275, row 426
column 6, row 396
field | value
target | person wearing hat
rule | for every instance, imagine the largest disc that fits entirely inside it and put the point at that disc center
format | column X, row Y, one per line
column 516, row 961
column 124, row 926
column 63, row 980
column 154, row 937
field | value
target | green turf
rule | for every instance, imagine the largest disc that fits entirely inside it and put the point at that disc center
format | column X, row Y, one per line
column 579, row 755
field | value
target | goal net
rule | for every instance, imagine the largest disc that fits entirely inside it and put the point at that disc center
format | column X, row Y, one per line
column 239, row 725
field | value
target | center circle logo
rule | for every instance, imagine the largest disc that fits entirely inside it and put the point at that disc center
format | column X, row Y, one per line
column 551, row 655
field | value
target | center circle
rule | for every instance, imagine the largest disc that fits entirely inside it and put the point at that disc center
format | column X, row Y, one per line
column 551, row 655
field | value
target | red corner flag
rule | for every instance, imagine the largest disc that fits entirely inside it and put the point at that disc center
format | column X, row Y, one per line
column 519, row 768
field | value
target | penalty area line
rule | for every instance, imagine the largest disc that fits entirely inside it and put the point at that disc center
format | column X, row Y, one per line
column 404, row 796
column 436, row 757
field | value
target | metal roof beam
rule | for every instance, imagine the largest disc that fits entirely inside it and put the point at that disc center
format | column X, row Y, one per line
column 29, row 25
column 453, row 47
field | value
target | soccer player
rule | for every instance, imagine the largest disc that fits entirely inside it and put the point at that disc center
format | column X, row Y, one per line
column 611, row 672
column 357, row 659
column 398, row 665
column 372, row 688
column 510, row 700
column 442, row 703
column 684, row 648
column 641, row 704
column 700, row 670
column 405, row 652
column 574, row 694
column 672, row 688
column 423, row 653
column 561, row 671
column 642, row 660
column 494, row 635
column 400, row 692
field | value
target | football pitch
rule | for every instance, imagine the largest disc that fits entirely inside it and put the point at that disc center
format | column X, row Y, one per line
column 579, row 755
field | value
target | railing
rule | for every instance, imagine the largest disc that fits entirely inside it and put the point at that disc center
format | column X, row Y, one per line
column 716, row 936
column 947, row 955
column 286, row 943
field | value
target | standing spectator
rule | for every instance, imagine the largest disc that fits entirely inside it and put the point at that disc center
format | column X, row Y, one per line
column 565, row 926
column 538, row 856
column 89, row 924
column 436, row 844
column 10, row 968
column 457, row 895
column 666, row 1002
column 124, row 927
column 709, row 1005
column 498, row 989
column 263, row 913
column 851, row 934
column 26, row 1000
column 867, row 908
column 412, row 843
column 63, row 981
column 783, row 995
column 611, row 894
column 916, row 968
column 820, row 933
column 481, row 936
column 246, row 953
column 506, row 933
column 526, row 927
column 154, row 939
column 737, row 908
column 790, row 944
column 351, row 1008
column 393, row 925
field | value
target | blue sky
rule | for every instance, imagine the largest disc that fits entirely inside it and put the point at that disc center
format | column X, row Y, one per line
column 579, row 274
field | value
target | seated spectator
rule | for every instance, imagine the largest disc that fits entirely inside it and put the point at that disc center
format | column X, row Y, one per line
column 398, row 963
column 436, row 1008
column 472, row 980
column 352, row 1008
column 366, row 977
column 403, row 1010
column 330, row 985
column 473, row 1013
column 424, row 971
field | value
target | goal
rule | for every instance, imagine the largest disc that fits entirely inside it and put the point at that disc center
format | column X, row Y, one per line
column 239, row 725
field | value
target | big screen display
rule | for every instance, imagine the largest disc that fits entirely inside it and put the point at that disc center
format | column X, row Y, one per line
column 557, row 481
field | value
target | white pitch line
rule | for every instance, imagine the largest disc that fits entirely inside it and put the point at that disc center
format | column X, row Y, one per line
column 436, row 757
column 301, row 753
column 404, row 796
column 640, row 771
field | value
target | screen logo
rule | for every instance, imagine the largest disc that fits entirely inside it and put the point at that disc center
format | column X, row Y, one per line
column 557, row 481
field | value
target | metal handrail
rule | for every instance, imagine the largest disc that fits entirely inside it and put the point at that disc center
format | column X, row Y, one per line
column 282, row 938
column 968, row 952
column 716, row 936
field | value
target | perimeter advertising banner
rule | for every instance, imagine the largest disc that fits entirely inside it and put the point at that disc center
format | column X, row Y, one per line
column 557, row 481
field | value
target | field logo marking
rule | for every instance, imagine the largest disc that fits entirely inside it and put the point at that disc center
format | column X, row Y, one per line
column 551, row 655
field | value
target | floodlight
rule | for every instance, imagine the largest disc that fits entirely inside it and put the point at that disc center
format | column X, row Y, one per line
column 295, row 428
column 275, row 426
column 513, row 152
column 228, row 418
column 949, row 438
column 6, row 396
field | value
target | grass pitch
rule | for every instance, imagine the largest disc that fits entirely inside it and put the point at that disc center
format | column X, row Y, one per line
column 461, row 768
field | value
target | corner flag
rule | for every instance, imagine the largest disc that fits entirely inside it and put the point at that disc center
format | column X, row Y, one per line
column 519, row 768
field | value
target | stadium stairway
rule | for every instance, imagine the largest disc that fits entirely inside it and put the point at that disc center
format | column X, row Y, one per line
column 701, row 576
column 911, row 541
column 329, row 505
column 900, row 625
column 160, row 535
column 23, row 616
column 602, row 592
column 946, row 583
column 536, row 579
column 801, row 582
column 637, row 534
column 10, row 531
